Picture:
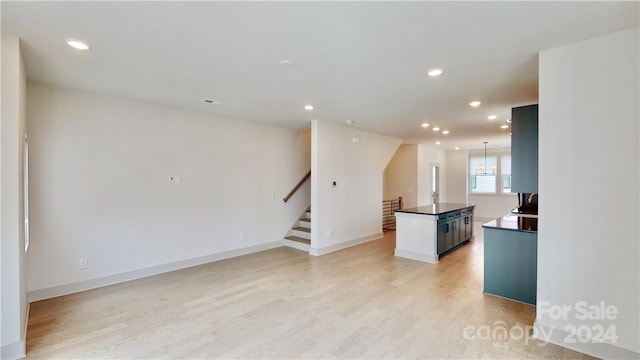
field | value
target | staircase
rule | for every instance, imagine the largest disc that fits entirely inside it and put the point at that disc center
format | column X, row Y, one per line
column 299, row 237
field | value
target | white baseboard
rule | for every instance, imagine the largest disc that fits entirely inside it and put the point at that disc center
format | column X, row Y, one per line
column 345, row 244
column 431, row 259
column 71, row 288
column 17, row 350
column 598, row 349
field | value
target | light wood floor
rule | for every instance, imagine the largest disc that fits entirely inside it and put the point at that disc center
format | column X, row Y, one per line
column 361, row 302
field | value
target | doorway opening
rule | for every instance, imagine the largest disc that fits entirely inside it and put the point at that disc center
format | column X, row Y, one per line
column 435, row 183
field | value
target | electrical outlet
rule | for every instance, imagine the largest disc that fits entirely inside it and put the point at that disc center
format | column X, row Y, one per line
column 83, row 263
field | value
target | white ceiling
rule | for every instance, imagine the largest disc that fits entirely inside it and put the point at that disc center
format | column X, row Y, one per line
column 360, row 61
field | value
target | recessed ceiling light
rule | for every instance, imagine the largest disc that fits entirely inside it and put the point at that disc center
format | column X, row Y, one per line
column 308, row 107
column 286, row 63
column 505, row 126
column 350, row 121
column 475, row 103
column 436, row 129
column 212, row 101
column 445, row 132
column 457, row 148
column 437, row 142
column 492, row 117
column 77, row 44
column 434, row 72
column 425, row 125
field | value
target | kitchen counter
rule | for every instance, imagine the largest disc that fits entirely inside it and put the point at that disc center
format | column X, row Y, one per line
column 427, row 233
column 510, row 257
column 514, row 222
column 436, row 209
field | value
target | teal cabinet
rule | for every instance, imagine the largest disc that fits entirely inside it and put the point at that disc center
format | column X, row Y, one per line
column 524, row 149
column 454, row 228
column 456, row 238
column 510, row 264
column 443, row 235
column 467, row 224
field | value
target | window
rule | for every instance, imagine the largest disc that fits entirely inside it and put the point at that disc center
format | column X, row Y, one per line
column 490, row 175
column 505, row 170
column 483, row 174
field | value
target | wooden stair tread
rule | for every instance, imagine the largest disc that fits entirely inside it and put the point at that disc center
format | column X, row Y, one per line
column 298, row 239
column 299, row 228
column 305, row 219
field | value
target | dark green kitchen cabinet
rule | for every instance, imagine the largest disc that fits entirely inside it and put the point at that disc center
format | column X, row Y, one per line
column 457, row 235
column 524, row 149
column 467, row 224
column 511, row 264
column 454, row 228
column 444, row 235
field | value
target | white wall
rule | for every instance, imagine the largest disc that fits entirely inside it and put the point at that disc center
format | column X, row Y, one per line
column 100, row 169
column 426, row 156
column 350, row 212
column 489, row 207
column 13, row 303
column 456, row 179
column 409, row 175
column 588, row 248
column 401, row 176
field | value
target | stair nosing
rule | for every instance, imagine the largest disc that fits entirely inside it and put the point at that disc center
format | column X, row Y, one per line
column 298, row 239
column 300, row 228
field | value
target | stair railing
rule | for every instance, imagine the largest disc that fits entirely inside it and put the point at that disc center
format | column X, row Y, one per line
column 298, row 185
column 389, row 208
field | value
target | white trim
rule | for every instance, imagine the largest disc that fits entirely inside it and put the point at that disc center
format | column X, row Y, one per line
column 301, row 234
column 296, row 245
column 17, row 350
column 598, row 349
column 345, row 244
column 431, row 259
column 434, row 164
column 65, row 289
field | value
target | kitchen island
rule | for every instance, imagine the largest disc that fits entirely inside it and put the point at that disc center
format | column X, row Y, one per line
column 510, row 257
column 427, row 233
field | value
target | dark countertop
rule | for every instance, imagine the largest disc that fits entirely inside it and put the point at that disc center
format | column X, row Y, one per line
column 514, row 223
column 436, row 209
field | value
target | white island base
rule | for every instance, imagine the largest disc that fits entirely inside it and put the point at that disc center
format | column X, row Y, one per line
column 416, row 236
column 427, row 232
